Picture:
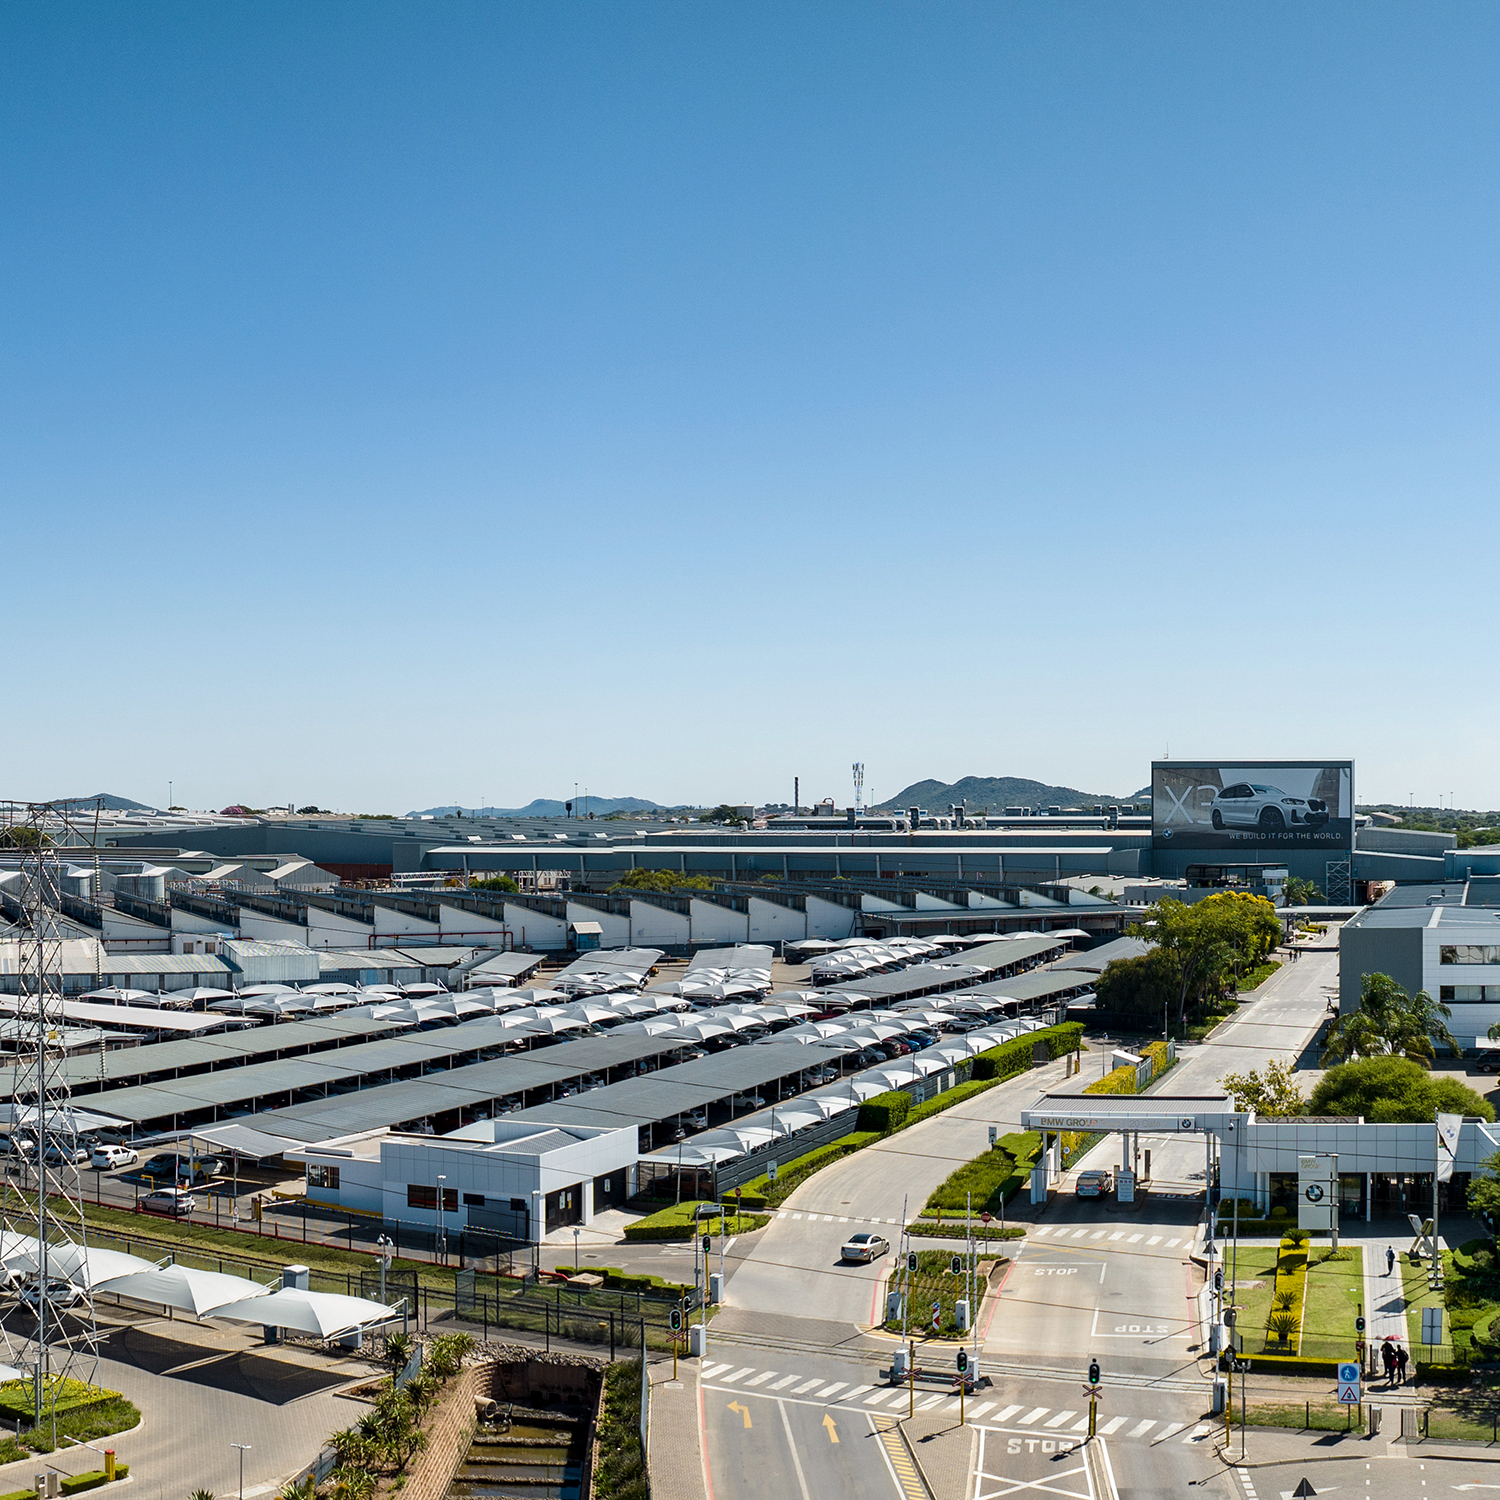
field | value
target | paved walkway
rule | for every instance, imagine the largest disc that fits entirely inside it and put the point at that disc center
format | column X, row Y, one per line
column 675, row 1437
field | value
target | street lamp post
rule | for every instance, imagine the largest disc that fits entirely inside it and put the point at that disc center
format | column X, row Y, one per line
column 244, row 1449
column 536, row 1231
column 383, row 1248
column 442, row 1239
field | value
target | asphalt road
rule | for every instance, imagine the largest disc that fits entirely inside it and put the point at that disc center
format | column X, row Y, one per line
column 793, row 1266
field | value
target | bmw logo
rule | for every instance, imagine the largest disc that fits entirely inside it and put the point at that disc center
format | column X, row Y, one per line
column 1314, row 1192
column 1166, row 833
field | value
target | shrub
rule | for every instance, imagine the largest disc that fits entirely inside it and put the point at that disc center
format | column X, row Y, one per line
column 1283, row 1324
column 885, row 1112
column 1014, row 1056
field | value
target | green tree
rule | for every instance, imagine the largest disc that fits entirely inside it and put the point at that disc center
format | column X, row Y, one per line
column 1389, row 1023
column 723, row 813
column 494, row 883
column 1393, row 1090
column 1137, row 991
column 1210, row 940
column 1272, row 1094
column 23, row 836
column 1300, row 892
column 1484, row 1191
column 661, row 880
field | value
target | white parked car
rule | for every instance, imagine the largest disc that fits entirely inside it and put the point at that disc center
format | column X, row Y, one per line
column 177, row 1202
column 111, row 1158
column 1247, row 804
column 865, row 1246
column 58, row 1294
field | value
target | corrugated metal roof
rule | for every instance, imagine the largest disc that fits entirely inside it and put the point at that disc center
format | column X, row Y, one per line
column 1096, row 959
column 363, row 960
column 165, row 963
column 745, row 956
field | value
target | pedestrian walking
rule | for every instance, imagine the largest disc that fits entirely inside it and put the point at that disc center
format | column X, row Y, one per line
column 1401, row 1357
column 1390, row 1260
column 1388, row 1359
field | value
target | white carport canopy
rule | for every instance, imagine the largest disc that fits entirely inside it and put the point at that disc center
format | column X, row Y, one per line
column 322, row 1314
column 197, row 1292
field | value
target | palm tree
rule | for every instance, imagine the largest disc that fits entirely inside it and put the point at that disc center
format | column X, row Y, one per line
column 1390, row 1023
column 350, row 1483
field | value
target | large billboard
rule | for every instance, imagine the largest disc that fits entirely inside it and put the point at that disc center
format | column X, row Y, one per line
column 1253, row 807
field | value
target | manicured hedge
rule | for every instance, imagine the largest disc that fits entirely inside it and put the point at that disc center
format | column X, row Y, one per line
column 679, row 1223
column 91, row 1480
column 1014, row 1056
column 761, row 1192
column 885, row 1112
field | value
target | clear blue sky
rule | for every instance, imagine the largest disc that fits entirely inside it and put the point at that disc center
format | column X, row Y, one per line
column 413, row 404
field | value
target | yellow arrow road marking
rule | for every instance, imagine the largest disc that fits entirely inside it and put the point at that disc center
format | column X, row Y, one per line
column 744, row 1411
column 832, row 1426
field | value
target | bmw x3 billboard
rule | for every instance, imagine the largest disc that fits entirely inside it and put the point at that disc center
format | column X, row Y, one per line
column 1245, row 805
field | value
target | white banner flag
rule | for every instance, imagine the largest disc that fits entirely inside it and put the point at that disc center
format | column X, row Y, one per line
column 1447, row 1144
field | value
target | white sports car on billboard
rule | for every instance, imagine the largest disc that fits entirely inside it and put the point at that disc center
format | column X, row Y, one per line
column 1266, row 808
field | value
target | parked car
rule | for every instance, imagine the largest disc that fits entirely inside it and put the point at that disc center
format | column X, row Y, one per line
column 1247, row 804
column 922, row 1038
column 197, row 1170
column 58, row 1294
column 112, row 1158
column 864, row 1246
column 177, row 1202
column 958, row 1025
column 1092, row 1184
column 894, row 1048
column 747, row 1101
column 1489, row 1062
column 66, row 1153
column 162, row 1165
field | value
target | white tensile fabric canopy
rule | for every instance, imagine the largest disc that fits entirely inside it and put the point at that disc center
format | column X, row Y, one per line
column 197, row 1292
column 322, row 1314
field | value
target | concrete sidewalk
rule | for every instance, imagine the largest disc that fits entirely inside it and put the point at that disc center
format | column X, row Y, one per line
column 674, row 1448
column 1268, row 1447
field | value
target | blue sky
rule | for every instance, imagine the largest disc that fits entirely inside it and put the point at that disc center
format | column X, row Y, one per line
column 408, row 405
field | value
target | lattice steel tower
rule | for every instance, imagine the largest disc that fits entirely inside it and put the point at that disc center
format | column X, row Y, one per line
column 43, row 1213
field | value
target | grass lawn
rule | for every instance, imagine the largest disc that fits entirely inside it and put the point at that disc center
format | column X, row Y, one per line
column 1418, row 1295
column 1322, row 1416
column 678, row 1221
column 935, row 1283
column 1256, row 1263
column 1335, row 1290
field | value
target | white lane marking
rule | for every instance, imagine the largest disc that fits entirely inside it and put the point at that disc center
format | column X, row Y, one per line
column 1098, row 1234
column 858, row 1390
column 1007, row 1414
column 785, row 1381
column 712, row 1371
column 828, row 1390
column 796, row 1216
column 738, row 1375
column 1032, row 1416
column 1197, row 1433
column 952, row 1406
column 1078, row 1234
column 1167, row 1432
column 880, row 1396
column 802, row 1390
column 1172, row 1244
column 980, row 1410
column 1112, row 1426
column 761, row 1379
column 1133, row 1238
column 791, row 1443
column 1154, row 1240
column 843, row 1221
column 930, row 1402
column 1141, row 1428
column 1081, row 1425
column 1119, row 1234
column 1059, row 1419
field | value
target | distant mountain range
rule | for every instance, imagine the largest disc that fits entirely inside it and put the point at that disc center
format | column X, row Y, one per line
column 997, row 792
column 546, row 807
column 110, row 802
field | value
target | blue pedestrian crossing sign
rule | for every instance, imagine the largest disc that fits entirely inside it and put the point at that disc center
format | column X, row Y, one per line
column 1349, row 1384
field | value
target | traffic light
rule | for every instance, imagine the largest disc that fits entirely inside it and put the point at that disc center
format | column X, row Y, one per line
column 1219, row 1280
column 675, row 1319
column 1359, row 1325
column 911, row 1260
column 1093, row 1372
column 963, row 1361
column 708, row 1243
column 956, row 1266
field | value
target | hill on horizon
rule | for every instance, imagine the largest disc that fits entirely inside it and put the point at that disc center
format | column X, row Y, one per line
column 545, row 807
column 996, row 792
column 111, row 803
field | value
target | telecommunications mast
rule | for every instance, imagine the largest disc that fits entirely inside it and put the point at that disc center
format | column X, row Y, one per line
column 859, row 786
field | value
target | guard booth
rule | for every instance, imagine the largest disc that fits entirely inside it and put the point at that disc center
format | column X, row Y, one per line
column 585, row 936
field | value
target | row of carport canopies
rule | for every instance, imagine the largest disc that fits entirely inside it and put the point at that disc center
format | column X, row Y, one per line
column 204, row 1294
column 712, row 1147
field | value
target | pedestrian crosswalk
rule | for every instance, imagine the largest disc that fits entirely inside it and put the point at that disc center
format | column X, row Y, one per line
column 1056, row 1232
column 893, row 1400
